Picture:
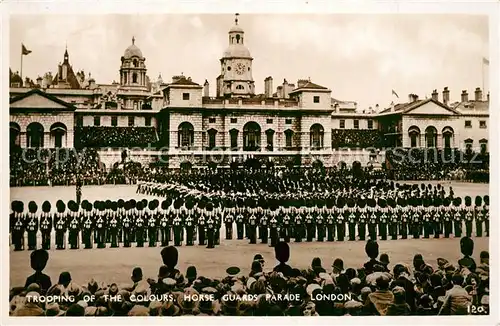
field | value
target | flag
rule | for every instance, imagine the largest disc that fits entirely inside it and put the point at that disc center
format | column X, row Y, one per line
column 486, row 61
column 24, row 50
column 394, row 92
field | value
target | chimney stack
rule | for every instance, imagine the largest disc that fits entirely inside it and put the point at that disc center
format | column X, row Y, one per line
column 268, row 87
column 435, row 95
column 479, row 94
column 206, row 89
column 92, row 84
column 465, row 96
column 446, row 96
column 412, row 98
column 39, row 81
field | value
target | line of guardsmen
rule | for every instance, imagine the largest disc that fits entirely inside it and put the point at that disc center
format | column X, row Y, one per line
column 195, row 219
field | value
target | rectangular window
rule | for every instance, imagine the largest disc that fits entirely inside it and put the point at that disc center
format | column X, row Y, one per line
column 316, row 99
column 356, row 124
column 234, row 139
column 468, row 124
column 79, row 121
column 147, row 121
column 288, row 138
column 234, row 120
column 114, row 121
column 288, row 121
column 342, row 124
column 370, row 124
column 131, row 121
column 269, row 121
column 211, row 120
column 482, row 124
column 97, row 121
column 484, row 148
column 185, row 96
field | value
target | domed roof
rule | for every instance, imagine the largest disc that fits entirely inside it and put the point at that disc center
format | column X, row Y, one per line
column 236, row 50
column 236, row 29
column 132, row 51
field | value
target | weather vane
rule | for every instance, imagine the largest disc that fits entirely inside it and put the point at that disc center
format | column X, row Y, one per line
column 236, row 19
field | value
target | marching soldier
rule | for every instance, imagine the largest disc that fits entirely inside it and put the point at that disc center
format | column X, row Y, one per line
column 427, row 219
column 352, row 220
column 479, row 216
column 202, row 221
column 140, row 224
column 373, row 219
column 60, row 224
column 17, row 224
column 32, row 225
column 189, row 230
column 437, row 217
column 228, row 221
column 469, row 216
column 309, row 222
column 447, row 218
column 74, row 225
column 152, row 222
column 100, row 225
column 127, row 224
column 273, row 226
column 252, row 228
column 393, row 219
column 405, row 218
column 416, row 222
column 330, row 222
column 287, row 227
column 457, row 217
column 298, row 225
column 88, row 225
column 218, row 225
column 341, row 218
column 320, row 224
column 383, row 219
column 210, row 227
column 114, row 225
column 240, row 223
column 164, row 223
column 46, row 225
column 263, row 231
column 178, row 229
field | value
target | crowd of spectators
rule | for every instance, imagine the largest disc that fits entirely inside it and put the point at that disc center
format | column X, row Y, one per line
column 376, row 288
column 436, row 164
column 97, row 137
column 29, row 167
column 355, row 138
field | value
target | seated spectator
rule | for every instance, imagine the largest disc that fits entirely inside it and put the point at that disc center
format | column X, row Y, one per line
column 378, row 302
column 399, row 307
column 457, row 300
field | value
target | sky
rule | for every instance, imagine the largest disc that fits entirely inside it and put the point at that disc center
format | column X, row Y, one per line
column 360, row 57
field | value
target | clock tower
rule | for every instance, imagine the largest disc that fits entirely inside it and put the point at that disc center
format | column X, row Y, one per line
column 236, row 67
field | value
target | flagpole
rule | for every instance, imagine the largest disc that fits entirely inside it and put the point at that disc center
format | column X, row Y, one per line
column 21, row 63
column 482, row 75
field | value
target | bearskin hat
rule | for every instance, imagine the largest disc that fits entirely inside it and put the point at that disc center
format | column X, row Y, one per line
column 46, row 206
column 32, row 207
column 371, row 249
column 282, row 252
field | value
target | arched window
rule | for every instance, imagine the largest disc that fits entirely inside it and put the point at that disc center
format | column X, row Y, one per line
column 34, row 135
column 186, row 135
column 288, row 138
column 251, row 136
column 134, row 78
column 448, row 137
column 15, row 131
column 238, row 38
column 316, row 134
column 240, row 87
column 136, row 64
column 468, row 145
column 57, row 133
column 483, row 143
column 212, row 134
column 431, row 137
column 414, row 134
column 233, row 135
column 270, row 139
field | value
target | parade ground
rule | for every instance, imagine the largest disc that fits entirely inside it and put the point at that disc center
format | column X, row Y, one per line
column 116, row 264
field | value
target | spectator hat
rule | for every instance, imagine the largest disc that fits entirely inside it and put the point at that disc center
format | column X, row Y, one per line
column 139, row 310
column 233, row 270
column 169, row 309
column 259, row 258
column 282, row 252
column 170, row 256
column 52, row 309
column 384, row 259
column 338, row 265
column 33, row 287
column 136, row 274
column 75, row 310
column 371, row 249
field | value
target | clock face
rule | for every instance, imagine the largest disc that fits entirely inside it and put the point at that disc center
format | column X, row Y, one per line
column 240, row 68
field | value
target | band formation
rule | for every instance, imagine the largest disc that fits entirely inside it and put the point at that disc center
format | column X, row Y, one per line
column 188, row 218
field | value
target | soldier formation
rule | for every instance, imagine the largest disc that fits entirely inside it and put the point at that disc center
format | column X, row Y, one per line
column 186, row 217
